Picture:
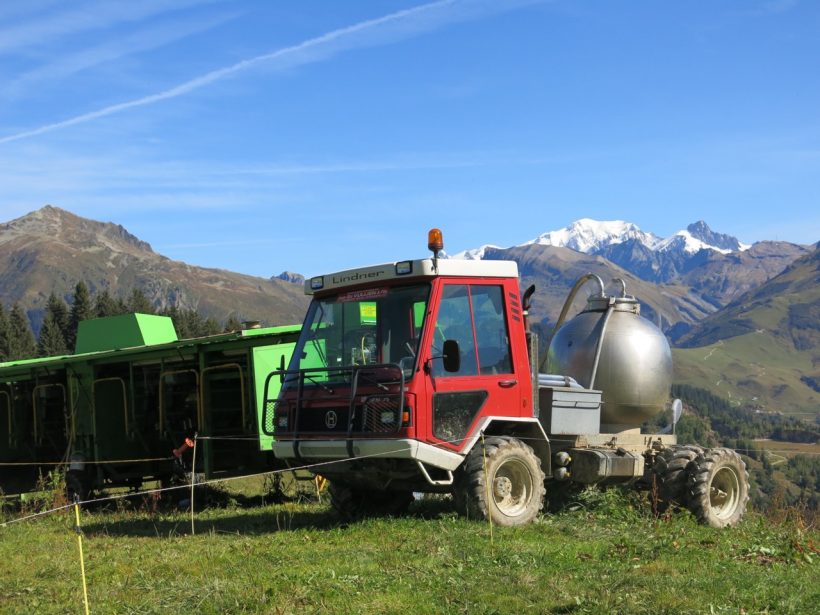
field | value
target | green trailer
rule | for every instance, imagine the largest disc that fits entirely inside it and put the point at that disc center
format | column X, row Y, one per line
column 119, row 411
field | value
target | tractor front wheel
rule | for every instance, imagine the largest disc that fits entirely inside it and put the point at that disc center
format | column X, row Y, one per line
column 501, row 480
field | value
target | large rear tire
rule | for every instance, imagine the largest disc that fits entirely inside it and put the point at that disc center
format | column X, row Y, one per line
column 718, row 487
column 510, row 492
column 352, row 504
column 671, row 475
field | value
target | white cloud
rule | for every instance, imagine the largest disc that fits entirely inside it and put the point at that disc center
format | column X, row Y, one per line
column 139, row 41
column 381, row 30
column 34, row 30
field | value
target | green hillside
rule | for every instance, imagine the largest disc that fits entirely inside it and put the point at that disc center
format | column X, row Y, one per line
column 756, row 369
column 764, row 349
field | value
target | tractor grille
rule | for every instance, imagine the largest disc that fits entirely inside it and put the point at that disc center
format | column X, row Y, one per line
column 374, row 414
column 331, row 410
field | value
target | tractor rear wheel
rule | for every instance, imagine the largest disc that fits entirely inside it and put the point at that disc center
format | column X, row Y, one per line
column 501, row 480
column 718, row 487
column 670, row 472
column 356, row 503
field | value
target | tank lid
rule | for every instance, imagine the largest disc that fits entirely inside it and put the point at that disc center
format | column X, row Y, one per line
column 627, row 303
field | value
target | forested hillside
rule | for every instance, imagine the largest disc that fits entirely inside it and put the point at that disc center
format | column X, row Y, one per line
column 58, row 332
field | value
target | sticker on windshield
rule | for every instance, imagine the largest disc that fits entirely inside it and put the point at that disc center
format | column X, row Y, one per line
column 367, row 312
column 363, row 295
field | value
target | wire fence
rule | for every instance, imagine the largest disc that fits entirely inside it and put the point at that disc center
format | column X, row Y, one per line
column 762, row 449
column 63, row 462
column 291, row 469
column 146, row 492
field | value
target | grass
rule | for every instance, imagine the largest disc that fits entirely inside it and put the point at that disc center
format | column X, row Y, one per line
column 789, row 449
column 609, row 555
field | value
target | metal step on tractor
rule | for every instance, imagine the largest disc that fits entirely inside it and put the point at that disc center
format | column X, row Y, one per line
column 423, row 376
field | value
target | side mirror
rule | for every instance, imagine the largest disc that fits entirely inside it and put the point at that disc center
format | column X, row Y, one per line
column 677, row 411
column 452, row 356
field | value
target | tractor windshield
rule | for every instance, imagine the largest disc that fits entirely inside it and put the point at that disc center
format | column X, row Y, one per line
column 372, row 326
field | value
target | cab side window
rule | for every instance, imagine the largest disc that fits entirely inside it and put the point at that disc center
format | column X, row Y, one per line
column 455, row 322
column 473, row 315
column 491, row 330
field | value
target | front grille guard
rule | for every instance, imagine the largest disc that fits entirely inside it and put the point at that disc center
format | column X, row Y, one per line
column 384, row 399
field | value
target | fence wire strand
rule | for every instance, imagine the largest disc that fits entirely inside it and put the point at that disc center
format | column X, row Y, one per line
column 471, row 439
column 308, row 467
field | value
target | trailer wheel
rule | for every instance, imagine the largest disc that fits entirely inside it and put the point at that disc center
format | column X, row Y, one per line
column 77, row 485
column 352, row 504
column 670, row 470
column 513, row 492
column 718, row 487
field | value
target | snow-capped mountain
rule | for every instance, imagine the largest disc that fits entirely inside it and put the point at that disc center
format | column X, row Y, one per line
column 588, row 236
column 476, row 254
column 690, row 253
column 701, row 232
column 597, row 236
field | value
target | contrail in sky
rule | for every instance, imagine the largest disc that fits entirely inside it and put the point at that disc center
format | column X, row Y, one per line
column 398, row 25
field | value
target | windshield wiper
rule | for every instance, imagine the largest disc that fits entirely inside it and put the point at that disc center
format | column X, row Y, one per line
column 289, row 377
column 314, row 339
column 374, row 381
column 319, row 382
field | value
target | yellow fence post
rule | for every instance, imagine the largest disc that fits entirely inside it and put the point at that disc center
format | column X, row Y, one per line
column 193, row 484
column 79, row 531
column 488, row 489
column 320, row 482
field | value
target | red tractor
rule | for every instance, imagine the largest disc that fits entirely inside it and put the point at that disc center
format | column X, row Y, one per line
column 422, row 376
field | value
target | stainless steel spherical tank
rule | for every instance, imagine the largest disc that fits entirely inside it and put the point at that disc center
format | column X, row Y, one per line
column 631, row 366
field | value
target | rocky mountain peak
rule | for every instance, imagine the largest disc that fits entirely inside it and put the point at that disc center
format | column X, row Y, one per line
column 50, row 250
column 589, row 236
column 290, row 276
column 60, row 226
column 701, row 231
column 601, row 237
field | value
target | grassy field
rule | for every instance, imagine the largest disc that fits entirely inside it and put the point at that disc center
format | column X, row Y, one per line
column 789, row 449
column 608, row 555
column 755, row 369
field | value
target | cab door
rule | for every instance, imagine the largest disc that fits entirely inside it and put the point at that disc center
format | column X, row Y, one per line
column 474, row 314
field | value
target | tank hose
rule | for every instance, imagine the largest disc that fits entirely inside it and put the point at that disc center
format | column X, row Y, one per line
column 568, row 304
column 600, row 343
column 571, row 297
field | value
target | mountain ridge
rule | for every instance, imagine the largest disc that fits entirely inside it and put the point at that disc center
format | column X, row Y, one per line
column 51, row 249
column 591, row 236
column 715, row 268
column 708, row 297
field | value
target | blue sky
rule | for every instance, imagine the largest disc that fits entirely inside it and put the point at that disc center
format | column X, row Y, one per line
column 261, row 136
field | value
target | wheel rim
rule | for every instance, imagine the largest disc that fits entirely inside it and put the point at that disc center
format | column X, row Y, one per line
column 512, row 488
column 724, row 493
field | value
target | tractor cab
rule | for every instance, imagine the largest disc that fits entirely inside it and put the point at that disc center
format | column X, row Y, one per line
column 398, row 363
